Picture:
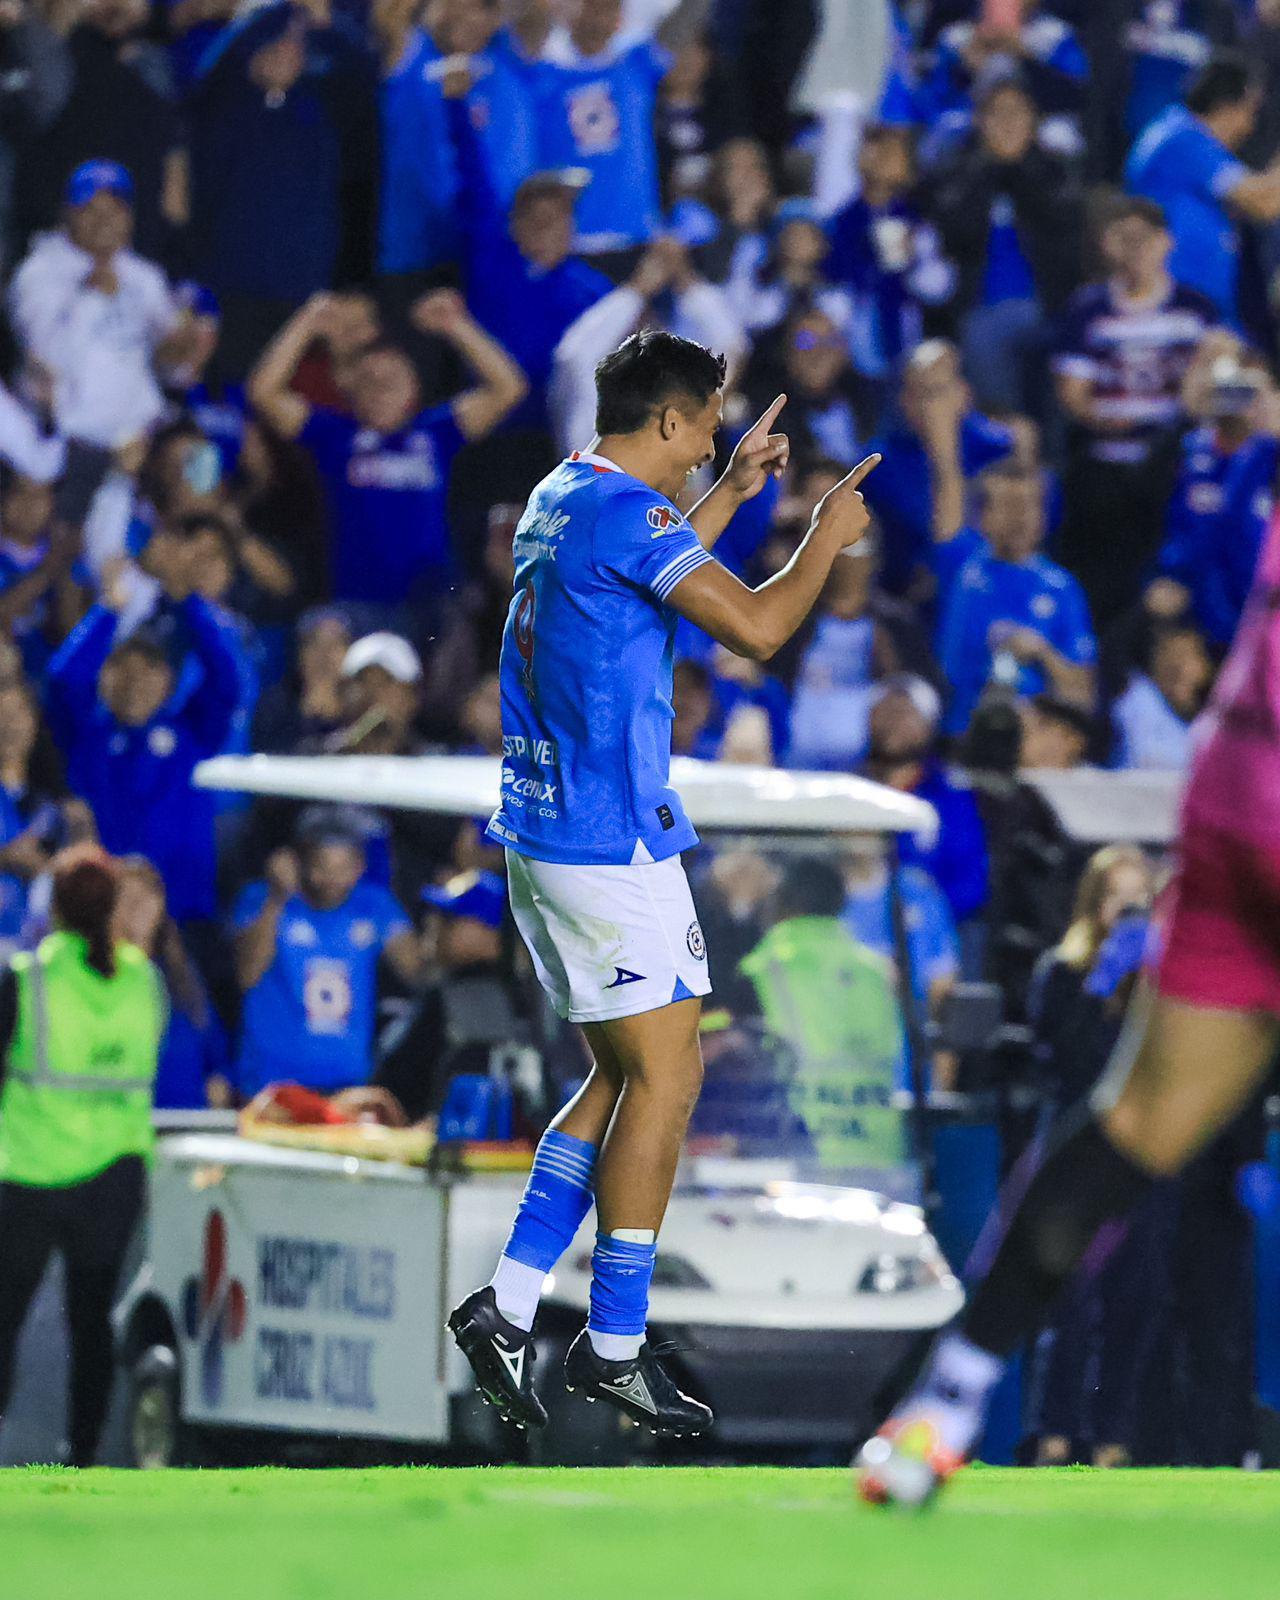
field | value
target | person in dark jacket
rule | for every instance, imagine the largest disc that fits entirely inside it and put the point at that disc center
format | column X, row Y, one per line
column 1009, row 215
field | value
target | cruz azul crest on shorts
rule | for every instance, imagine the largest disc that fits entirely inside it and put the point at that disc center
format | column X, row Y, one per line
column 697, row 944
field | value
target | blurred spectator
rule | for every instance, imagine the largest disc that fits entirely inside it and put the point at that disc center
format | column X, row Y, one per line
column 309, row 940
column 932, row 943
column 1009, row 614
column 451, row 1025
column 130, row 746
column 219, row 409
column 832, row 1001
column 595, row 94
column 37, row 816
column 1224, row 496
column 1056, row 733
column 1042, row 50
column 307, row 703
column 381, row 678
column 270, row 144
column 33, row 82
column 42, row 583
column 194, row 1056
column 855, row 637
column 686, row 123
column 786, row 276
column 386, row 469
column 1153, row 716
column 885, row 256
column 113, row 101
column 1167, row 42
column 1125, row 346
column 94, row 318
column 825, row 413
column 524, row 284
column 1185, row 160
column 664, row 290
column 902, row 730
column 1009, row 215
column 928, row 456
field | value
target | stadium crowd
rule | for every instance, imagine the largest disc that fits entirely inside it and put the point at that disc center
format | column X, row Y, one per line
column 303, row 298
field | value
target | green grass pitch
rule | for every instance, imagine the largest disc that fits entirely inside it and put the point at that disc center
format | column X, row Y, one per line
column 632, row 1534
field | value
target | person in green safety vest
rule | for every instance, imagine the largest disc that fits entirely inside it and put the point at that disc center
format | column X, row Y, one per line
column 81, row 1020
column 832, row 1001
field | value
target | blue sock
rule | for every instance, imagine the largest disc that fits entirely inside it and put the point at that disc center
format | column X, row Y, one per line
column 557, row 1197
column 621, row 1270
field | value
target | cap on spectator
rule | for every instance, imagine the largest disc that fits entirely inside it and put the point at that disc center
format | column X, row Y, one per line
column 693, row 223
column 553, row 181
column 330, row 824
column 198, row 300
column 923, row 696
column 98, row 177
column 396, row 656
column 796, row 208
column 481, row 895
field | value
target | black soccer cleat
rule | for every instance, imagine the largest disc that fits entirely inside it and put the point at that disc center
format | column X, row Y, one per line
column 501, row 1356
column 640, row 1388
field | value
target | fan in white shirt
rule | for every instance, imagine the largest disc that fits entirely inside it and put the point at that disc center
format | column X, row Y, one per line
column 93, row 318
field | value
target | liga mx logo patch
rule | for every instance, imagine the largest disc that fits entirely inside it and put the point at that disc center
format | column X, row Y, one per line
column 214, row 1308
column 663, row 519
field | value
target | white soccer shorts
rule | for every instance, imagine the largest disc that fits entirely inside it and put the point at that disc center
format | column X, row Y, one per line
column 609, row 941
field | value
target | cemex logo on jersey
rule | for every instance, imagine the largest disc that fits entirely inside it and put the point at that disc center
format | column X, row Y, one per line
column 663, row 518
column 214, row 1307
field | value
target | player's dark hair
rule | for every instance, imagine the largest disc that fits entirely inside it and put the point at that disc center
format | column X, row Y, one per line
column 648, row 371
column 811, row 887
column 1225, row 80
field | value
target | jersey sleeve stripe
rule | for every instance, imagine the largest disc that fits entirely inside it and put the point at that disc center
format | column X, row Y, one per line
column 686, row 562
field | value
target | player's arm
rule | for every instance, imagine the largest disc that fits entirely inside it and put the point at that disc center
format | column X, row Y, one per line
column 1257, row 194
column 758, row 456
column 275, row 402
column 502, row 385
column 756, row 623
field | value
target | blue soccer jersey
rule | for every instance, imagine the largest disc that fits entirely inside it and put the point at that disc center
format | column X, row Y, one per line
column 310, row 1017
column 586, row 667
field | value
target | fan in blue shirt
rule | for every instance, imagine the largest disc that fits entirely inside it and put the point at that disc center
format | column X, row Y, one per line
column 309, row 941
column 595, row 93
column 1221, row 506
column 131, row 744
column 1009, row 613
column 900, row 491
column 385, row 470
column 417, row 224
column 1185, row 160
column 1045, row 52
column 523, row 283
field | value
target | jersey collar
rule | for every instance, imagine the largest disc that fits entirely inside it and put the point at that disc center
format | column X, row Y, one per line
column 598, row 463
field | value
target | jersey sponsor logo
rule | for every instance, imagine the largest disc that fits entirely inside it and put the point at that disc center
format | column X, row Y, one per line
column 363, row 933
column 539, row 535
column 697, row 944
column 301, row 934
column 663, row 518
column 542, row 752
column 624, row 977
column 411, row 468
column 162, row 742
column 529, row 788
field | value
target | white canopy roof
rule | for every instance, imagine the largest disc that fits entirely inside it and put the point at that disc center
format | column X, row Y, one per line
column 1100, row 807
column 743, row 799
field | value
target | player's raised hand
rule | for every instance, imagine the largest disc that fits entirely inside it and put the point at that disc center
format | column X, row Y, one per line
column 759, row 454
column 842, row 509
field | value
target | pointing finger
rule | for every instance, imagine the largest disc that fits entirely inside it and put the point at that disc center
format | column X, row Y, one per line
column 770, row 417
column 860, row 471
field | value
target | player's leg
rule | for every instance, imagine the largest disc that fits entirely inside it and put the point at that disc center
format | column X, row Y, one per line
column 661, row 1065
column 1179, row 1075
column 493, row 1325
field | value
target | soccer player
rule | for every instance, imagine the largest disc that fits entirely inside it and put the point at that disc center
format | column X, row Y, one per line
column 1196, row 1045
column 605, row 564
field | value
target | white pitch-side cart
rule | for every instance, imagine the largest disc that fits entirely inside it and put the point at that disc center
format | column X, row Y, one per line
column 291, row 1303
